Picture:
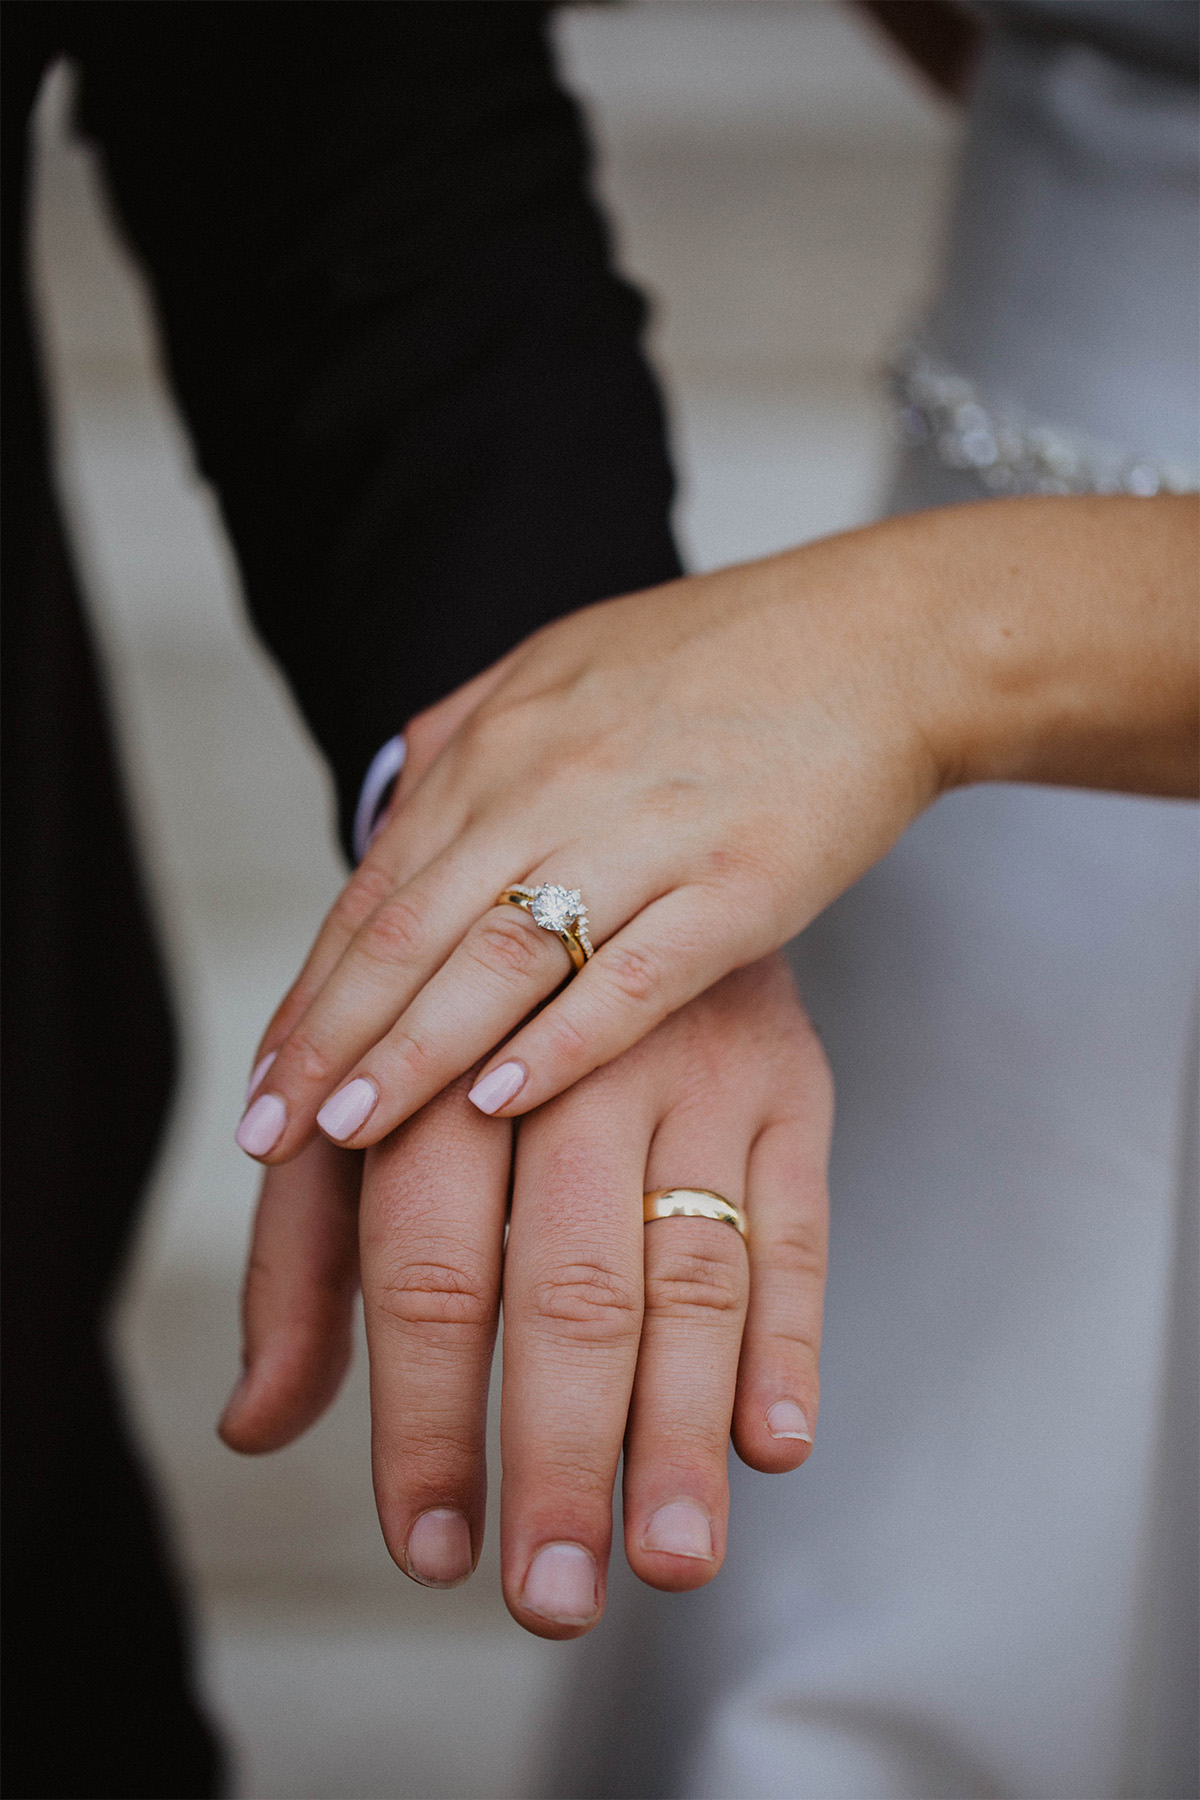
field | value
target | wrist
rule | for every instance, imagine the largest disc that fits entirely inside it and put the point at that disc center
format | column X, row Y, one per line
column 1051, row 640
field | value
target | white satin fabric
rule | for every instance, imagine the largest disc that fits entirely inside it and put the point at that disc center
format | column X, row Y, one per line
column 983, row 1583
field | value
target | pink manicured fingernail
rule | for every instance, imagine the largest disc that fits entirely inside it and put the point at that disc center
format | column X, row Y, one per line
column 786, row 1420
column 498, row 1088
column 561, row 1584
column 681, row 1529
column 344, row 1112
column 263, row 1125
column 256, row 1080
column 439, row 1548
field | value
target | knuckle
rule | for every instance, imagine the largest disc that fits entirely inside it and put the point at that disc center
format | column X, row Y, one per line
column 395, row 933
column 366, row 890
column 671, row 800
column 587, row 1302
column 484, row 740
column 484, row 728
column 798, row 1252
column 423, row 733
column 434, row 1293
column 313, row 1064
column 696, row 1282
column 798, row 1338
column 505, row 946
column 633, row 974
column 761, row 878
column 754, row 856
column 564, row 1043
column 788, row 1339
column 413, row 1062
column 502, row 719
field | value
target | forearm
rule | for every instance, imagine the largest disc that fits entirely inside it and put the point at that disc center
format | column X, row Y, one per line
column 714, row 761
column 1046, row 640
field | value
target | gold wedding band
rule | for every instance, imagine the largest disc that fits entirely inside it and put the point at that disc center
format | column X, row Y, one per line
column 557, row 909
column 692, row 1203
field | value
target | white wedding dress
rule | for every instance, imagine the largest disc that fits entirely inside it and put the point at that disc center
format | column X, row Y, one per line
column 984, row 1582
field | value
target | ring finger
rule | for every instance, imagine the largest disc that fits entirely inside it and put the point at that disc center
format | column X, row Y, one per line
column 419, row 1028
column 676, row 1485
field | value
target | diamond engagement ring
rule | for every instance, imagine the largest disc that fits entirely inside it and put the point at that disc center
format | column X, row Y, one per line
column 557, row 909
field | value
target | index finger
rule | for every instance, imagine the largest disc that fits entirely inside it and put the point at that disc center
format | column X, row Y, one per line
column 431, row 1235
column 404, row 840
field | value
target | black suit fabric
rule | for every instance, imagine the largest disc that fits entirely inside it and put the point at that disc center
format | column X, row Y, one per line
column 410, row 369
column 416, row 382
column 98, row 1698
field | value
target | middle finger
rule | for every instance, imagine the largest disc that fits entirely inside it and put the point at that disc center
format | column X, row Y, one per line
column 572, row 1321
column 504, row 967
column 432, row 980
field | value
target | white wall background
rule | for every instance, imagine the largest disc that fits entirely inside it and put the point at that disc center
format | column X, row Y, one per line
column 777, row 181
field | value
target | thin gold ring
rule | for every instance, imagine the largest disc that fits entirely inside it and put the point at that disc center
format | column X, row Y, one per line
column 692, row 1203
column 556, row 909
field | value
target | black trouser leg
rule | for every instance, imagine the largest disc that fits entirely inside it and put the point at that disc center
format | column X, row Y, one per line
column 97, row 1687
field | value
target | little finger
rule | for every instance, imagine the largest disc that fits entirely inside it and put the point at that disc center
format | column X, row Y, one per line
column 391, row 956
column 504, row 967
column 672, row 949
column 788, row 1200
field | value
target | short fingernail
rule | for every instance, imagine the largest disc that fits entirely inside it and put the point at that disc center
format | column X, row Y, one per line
column 681, row 1529
column 561, row 1584
column 257, row 1078
column 439, row 1548
column 262, row 1127
column 344, row 1112
column 496, row 1089
column 786, row 1420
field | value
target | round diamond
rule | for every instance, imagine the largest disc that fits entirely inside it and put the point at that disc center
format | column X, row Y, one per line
column 556, row 908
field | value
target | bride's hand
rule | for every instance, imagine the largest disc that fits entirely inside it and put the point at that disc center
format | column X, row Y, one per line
column 691, row 758
column 659, row 1337
column 710, row 763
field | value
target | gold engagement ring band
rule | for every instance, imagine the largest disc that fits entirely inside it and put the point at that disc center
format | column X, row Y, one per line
column 557, row 909
column 692, row 1203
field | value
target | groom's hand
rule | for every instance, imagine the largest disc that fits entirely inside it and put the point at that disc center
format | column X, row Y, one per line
column 659, row 1337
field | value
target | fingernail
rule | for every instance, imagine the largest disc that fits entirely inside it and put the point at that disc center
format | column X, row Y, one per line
column 262, row 1127
column 256, row 1080
column 439, row 1548
column 561, row 1584
column 496, row 1089
column 681, row 1529
column 350, row 1107
column 786, row 1420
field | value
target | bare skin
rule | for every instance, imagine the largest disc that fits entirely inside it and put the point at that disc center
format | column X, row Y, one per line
column 712, row 762
column 741, row 746
column 662, row 1338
